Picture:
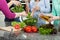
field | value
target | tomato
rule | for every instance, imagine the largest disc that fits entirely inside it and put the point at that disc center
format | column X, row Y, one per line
column 17, row 26
column 30, row 29
column 27, row 29
column 34, row 29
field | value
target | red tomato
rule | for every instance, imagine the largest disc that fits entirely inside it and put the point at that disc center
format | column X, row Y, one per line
column 27, row 29
column 17, row 26
column 34, row 29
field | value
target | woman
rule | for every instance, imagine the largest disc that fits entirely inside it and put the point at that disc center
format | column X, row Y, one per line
column 55, row 12
column 55, row 16
column 44, row 5
column 37, row 7
column 4, row 8
column 12, row 3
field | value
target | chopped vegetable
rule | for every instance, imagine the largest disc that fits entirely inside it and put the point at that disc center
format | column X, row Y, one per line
column 47, row 29
column 17, row 26
column 22, row 24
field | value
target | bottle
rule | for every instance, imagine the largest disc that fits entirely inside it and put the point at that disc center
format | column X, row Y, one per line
column 46, row 18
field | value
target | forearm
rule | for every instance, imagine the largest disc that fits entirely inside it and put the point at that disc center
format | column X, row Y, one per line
column 27, row 8
column 6, row 11
column 10, row 4
column 58, row 17
column 18, row 15
column 32, row 14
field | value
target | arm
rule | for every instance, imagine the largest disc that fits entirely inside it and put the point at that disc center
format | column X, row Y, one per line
column 53, row 18
column 5, row 10
column 17, row 3
column 10, row 4
column 58, row 17
column 27, row 6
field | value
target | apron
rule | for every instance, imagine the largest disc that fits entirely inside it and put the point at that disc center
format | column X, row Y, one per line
column 56, row 11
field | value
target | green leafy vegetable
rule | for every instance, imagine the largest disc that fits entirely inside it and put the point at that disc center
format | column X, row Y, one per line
column 17, row 9
column 30, row 21
column 29, row 15
column 22, row 24
column 45, row 31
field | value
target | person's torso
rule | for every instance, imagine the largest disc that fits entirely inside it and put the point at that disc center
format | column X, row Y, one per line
column 56, row 10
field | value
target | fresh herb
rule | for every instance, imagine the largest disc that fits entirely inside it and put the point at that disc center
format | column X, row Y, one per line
column 17, row 9
column 47, row 29
column 30, row 21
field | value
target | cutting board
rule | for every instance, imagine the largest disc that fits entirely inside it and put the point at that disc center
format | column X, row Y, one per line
column 9, row 29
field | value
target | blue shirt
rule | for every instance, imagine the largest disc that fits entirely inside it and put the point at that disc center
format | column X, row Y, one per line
column 43, row 4
column 44, row 7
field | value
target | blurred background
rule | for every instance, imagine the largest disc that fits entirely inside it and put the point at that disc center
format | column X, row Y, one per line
column 2, row 17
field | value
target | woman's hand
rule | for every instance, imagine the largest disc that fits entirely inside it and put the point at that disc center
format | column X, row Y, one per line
column 24, row 13
column 17, row 3
column 37, row 8
column 17, row 32
column 21, row 14
column 53, row 18
column 32, row 14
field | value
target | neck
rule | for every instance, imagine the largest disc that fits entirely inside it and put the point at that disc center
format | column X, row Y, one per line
column 37, row 1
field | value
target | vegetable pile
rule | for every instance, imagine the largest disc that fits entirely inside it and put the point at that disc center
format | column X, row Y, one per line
column 17, row 9
column 30, row 20
column 47, row 29
column 31, row 29
column 21, row 24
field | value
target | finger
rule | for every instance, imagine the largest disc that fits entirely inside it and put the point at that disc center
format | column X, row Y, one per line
column 41, row 14
column 17, row 32
column 50, row 20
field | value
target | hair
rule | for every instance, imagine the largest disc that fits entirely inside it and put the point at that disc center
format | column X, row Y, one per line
column 10, row 0
column 36, row 0
column 7, row 1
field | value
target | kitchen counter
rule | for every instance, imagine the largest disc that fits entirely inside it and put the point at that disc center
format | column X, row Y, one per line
column 4, row 35
column 28, row 36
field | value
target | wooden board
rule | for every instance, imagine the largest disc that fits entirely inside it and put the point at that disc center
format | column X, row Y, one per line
column 9, row 29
